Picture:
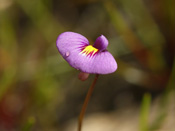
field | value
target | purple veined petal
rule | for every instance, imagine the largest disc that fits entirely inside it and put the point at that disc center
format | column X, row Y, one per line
column 101, row 43
column 76, row 50
column 101, row 63
column 69, row 42
column 105, row 63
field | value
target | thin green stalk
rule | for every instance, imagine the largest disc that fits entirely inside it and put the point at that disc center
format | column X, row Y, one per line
column 144, row 115
column 86, row 103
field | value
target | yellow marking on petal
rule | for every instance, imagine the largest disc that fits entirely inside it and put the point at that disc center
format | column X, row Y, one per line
column 89, row 50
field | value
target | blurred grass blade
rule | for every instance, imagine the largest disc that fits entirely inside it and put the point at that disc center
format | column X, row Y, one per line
column 171, row 83
column 7, row 79
column 144, row 115
column 8, row 52
column 169, row 16
column 149, row 58
column 42, row 18
column 29, row 124
column 164, row 104
column 147, row 30
column 120, row 25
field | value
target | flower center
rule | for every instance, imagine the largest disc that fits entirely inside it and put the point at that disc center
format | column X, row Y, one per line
column 89, row 51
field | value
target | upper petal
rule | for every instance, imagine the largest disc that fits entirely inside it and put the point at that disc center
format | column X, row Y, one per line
column 101, row 43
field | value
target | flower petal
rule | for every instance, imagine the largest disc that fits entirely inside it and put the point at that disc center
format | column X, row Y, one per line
column 69, row 42
column 104, row 63
column 76, row 50
column 101, row 63
column 101, row 43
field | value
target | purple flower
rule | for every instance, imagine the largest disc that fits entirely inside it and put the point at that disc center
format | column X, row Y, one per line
column 76, row 50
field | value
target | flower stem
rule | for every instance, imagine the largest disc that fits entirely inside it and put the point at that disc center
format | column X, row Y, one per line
column 86, row 103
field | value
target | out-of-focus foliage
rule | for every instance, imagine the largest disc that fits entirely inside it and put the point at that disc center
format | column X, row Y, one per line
column 40, row 91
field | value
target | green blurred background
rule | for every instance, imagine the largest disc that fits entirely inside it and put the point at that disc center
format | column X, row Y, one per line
column 39, row 91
